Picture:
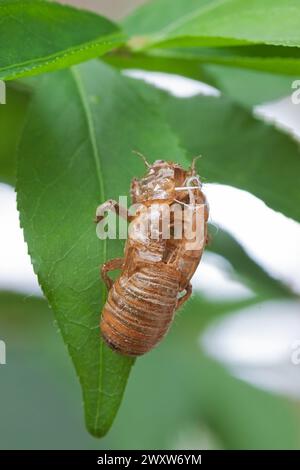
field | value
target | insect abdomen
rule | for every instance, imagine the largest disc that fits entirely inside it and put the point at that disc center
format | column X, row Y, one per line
column 140, row 309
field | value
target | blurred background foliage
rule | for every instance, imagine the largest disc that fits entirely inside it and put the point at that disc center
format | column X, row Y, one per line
column 177, row 396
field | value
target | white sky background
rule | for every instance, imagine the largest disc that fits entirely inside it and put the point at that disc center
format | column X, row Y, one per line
column 276, row 246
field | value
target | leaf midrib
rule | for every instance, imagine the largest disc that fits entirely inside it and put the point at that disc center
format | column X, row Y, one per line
column 189, row 16
column 96, row 156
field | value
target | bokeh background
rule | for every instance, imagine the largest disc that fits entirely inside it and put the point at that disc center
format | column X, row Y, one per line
column 223, row 378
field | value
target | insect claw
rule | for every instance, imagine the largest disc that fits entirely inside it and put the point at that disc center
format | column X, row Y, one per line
column 97, row 219
column 139, row 154
column 193, row 165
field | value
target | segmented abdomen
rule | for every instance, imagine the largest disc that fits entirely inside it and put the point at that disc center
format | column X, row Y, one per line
column 140, row 309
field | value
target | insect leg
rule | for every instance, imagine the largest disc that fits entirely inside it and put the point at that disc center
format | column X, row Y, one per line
column 193, row 165
column 115, row 263
column 111, row 205
column 139, row 154
column 186, row 296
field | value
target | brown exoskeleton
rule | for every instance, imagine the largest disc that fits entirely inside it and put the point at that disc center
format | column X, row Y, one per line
column 156, row 271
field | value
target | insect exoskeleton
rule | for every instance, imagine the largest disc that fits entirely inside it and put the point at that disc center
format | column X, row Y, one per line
column 167, row 236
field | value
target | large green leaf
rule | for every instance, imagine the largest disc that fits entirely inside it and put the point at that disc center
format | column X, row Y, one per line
column 192, row 61
column 215, row 23
column 239, row 150
column 248, row 87
column 38, row 372
column 76, row 152
column 148, row 61
column 272, row 59
column 37, row 36
column 26, row 325
column 12, row 116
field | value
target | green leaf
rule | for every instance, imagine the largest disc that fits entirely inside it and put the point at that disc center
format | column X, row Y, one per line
column 239, row 150
column 195, row 408
column 76, row 152
column 215, row 23
column 124, row 59
column 272, row 59
column 248, row 87
column 37, row 37
column 157, row 15
column 192, row 61
column 12, row 115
